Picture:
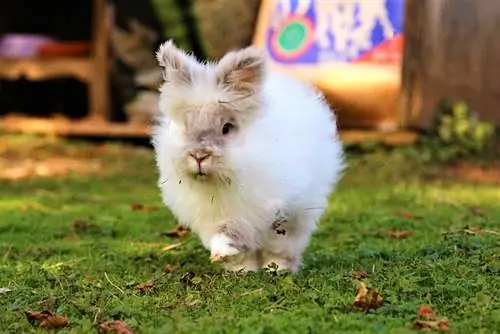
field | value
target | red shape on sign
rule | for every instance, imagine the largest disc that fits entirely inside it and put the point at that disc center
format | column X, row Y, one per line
column 387, row 52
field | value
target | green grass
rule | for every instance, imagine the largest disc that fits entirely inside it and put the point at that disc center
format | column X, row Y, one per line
column 91, row 271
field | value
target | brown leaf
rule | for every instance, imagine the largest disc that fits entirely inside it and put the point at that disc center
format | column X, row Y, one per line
column 116, row 326
column 169, row 268
column 426, row 312
column 427, row 320
column 441, row 324
column 84, row 226
column 472, row 231
column 398, row 234
column 360, row 274
column 141, row 207
column 178, row 232
column 143, row 287
column 46, row 319
column 406, row 214
column 367, row 298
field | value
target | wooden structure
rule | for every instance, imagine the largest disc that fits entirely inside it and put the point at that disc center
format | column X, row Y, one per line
column 452, row 51
column 92, row 70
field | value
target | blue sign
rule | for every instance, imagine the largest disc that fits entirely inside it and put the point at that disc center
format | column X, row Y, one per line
column 317, row 31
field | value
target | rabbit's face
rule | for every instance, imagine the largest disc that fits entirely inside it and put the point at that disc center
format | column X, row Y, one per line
column 207, row 132
column 210, row 106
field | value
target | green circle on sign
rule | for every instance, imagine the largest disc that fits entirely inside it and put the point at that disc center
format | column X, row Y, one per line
column 292, row 36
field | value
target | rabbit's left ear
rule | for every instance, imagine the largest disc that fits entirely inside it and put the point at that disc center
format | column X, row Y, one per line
column 242, row 70
column 179, row 66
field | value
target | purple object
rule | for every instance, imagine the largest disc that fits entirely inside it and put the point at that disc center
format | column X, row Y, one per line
column 22, row 45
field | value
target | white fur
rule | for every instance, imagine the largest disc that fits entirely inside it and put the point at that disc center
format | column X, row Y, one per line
column 289, row 158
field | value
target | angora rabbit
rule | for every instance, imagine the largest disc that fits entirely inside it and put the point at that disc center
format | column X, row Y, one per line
column 247, row 157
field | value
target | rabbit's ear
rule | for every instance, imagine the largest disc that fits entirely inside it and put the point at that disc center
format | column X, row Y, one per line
column 178, row 65
column 241, row 70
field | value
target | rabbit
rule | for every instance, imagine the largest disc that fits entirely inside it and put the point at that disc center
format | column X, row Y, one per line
column 247, row 157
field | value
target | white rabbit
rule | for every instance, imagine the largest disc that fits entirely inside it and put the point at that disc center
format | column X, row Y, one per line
column 247, row 157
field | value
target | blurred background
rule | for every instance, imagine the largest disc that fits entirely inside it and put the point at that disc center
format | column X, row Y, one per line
column 385, row 66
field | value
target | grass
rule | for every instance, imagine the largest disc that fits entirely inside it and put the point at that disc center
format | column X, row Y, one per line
column 90, row 270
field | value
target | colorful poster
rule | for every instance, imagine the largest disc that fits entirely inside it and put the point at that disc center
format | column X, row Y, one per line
column 319, row 31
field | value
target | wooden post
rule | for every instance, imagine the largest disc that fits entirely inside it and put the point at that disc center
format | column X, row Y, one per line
column 452, row 51
column 99, row 84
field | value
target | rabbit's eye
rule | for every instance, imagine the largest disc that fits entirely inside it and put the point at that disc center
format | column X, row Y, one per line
column 226, row 128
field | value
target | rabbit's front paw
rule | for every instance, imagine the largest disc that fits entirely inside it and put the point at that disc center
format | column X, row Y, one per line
column 222, row 248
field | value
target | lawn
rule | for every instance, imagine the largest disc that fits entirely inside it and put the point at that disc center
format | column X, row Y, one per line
column 81, row 225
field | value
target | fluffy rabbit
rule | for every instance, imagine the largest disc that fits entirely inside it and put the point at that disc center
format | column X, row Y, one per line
column 247, row 157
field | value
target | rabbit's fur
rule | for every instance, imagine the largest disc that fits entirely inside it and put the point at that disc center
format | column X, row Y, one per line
column 254, row 191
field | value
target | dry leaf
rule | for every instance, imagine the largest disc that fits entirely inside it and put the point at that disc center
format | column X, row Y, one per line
column 360, row 274
column 169, row 268
column 472, row 231
column 441, row 324
column 426, row 312
column 398, row 234
column 178, row 232
column 406, row 214
column 428, row 320
column 46, row 319
column 117, row 327
column 367, row 298
column 143, row 287
column 141, row 207
column 82, row 225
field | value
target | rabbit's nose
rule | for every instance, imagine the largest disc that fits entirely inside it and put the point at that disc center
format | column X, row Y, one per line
column 201, row 155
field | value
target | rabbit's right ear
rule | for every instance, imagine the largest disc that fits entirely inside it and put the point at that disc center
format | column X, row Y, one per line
column 179, row 66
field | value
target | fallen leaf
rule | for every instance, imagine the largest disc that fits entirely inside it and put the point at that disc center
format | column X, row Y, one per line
column 178, row 232
column 426, row 312
column 441, row 324
column 427, row 320
column 116, row 326
column 406, row 214
column 143, row 287
column 169, row 268
column 4, row 290
column 367, row 298
column 84, row 226
column 472, row 231
column 141, row 207
column 398, row 234
column 360, row 274
column 46, row 319
column 188, row 277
